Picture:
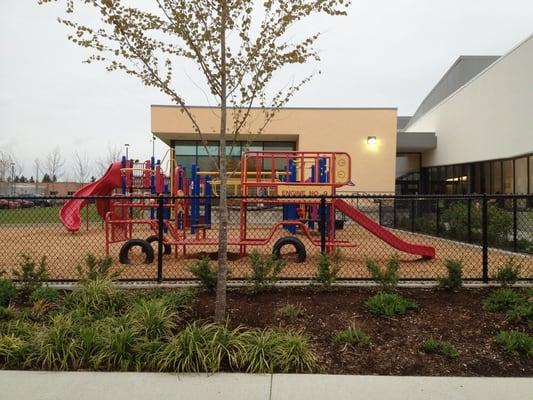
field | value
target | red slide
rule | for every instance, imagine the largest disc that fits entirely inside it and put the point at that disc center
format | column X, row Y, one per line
column 70, row 212
column 381, row 232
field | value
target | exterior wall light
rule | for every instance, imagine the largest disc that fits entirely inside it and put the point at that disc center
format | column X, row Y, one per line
column 371, row 140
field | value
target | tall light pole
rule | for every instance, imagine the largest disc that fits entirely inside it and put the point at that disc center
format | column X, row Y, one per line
column 127, row 145
column 12, row 179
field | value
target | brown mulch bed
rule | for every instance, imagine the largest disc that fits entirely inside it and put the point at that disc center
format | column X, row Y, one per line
column 457, row 317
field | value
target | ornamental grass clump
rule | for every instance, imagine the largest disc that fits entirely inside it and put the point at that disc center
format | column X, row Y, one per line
column 389, row 304
column 440, row 347
column 152, row 318
column 516, row 342
column 353, row 336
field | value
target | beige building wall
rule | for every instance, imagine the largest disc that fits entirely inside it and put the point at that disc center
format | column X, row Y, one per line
column 313, row 129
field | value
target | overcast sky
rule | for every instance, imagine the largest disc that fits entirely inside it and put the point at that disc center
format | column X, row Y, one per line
column 386, row 53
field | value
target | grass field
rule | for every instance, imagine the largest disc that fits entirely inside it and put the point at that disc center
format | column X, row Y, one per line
column 44, row 215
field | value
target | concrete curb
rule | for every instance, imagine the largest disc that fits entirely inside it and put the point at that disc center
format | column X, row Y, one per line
column 42, row 385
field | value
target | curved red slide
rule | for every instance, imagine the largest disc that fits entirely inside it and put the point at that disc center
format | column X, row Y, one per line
column 69, row 215
column 382, row 233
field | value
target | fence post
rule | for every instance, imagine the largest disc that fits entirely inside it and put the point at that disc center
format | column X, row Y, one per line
column 394, row 213
column 322, row 225
column 485, row 239
column 437, row 215
column 160, row 227
column 469, row 218
column 412, row 212
column 515, row 229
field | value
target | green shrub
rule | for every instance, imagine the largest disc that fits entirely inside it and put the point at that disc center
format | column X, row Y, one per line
column 46, row 293
column 515, row 341
column 206, row 274
column 147, row 354
column 30, row 275
column 521, row 313
column 290, row 311
column 328, row 268
column 13, row 350
column 352, row 336
column 179, row 298
column 500, row 224
column 98, row 298
column 116, row 342
column 7, row 292
column 153, row 318
column 97, row 268
column 389, row 304
column 508, row 273
column 387, row 277
column 200, row 348
column 265, row 271
column 455, row 218
column 454, row 280
column 6, row 313
column 269, row 350
column 503, row 300
column 54, row 346
column 440, row 347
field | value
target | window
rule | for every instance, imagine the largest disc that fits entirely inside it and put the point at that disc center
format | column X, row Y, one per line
column 70, row 193
column 486, row 188
column 53, row 193
column 496, row 177
column 508, row 174
column 520, row 172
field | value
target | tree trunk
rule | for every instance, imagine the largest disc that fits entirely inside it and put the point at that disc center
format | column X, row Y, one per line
column 220, row 303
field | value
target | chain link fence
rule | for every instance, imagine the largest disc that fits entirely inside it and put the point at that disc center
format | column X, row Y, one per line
column 482, row 231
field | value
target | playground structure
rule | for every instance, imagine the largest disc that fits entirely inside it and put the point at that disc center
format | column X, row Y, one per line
column 303, row 184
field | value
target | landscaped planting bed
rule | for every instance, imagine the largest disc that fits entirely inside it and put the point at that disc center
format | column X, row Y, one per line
column 321, row 328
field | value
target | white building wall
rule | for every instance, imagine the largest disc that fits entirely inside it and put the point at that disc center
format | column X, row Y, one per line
column 491, row 117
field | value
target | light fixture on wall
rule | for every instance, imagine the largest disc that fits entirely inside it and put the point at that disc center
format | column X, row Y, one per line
column 371, row 140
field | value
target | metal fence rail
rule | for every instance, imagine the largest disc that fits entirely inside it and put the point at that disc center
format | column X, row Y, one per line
column 482, row 231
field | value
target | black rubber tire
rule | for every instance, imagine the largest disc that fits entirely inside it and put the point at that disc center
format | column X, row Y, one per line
column 146, row 248
column 167, row 249
column 292, row 241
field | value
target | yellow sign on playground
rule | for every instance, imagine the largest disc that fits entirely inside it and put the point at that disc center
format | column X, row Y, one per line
column 304, row 190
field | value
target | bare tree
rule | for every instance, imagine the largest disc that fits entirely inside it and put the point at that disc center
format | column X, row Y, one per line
column 5, row 165
column 37, row 168
column 82, row 169
column 113, row 154
column 238, row 47
column 55, row 164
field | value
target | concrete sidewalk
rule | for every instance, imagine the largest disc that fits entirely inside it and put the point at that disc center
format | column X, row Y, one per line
column 24, row 385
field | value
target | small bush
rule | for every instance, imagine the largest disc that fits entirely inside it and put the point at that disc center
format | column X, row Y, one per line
column 179, row 298
column 508, row 273
column 206, row 274
column 200, row 348
column 440, row 347
column 328, row 268
column 115, row 344
column 387, row 278
column 521, row 313
column 7, row 292
column 290, row 311
column 96, row 298
column 454, row 280
column 515, row 341
column 265, row 271
column 503, row 300
column 352, row 336
column 153, row 318
column 269, row 350
column 46, row 293
column 55, row 346
column 389, row 304
column 97, row 268
column 30, row 275
column 13, row 350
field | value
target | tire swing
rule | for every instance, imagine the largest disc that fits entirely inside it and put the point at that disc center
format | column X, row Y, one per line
column 146, row 248
column 293, row 241
column 167, row 249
